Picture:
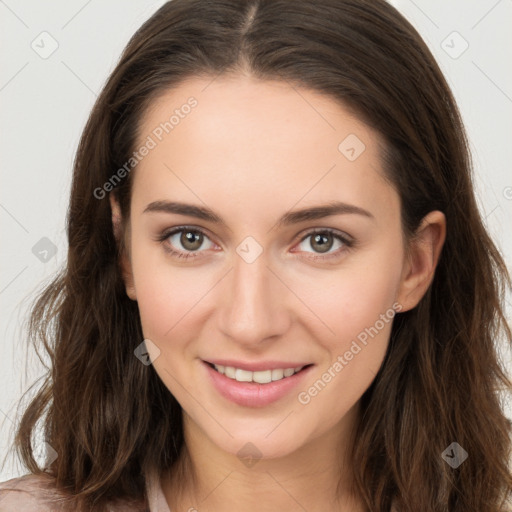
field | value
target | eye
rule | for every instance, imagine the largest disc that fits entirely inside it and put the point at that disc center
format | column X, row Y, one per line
column 186, row 240
column 323, row 240
column 189, row 240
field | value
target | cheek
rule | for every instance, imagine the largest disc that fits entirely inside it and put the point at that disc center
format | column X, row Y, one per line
column 165, row 293
column 352, row 298
column 168, row 299
column 357, row 305
column 168, row 305
column 360, row 313
column 366, row 298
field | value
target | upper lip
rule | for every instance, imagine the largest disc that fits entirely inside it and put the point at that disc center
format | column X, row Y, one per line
column 257, row 366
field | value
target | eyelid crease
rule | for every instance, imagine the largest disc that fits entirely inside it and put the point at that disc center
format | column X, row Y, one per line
column 347, row 240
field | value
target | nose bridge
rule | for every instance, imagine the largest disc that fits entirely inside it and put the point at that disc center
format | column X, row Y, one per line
column 253, row 306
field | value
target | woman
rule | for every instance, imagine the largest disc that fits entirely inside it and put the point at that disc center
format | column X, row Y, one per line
column 279, row 290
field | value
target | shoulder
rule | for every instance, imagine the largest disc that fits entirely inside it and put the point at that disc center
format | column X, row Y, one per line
column 29, row 493
column 37, row 493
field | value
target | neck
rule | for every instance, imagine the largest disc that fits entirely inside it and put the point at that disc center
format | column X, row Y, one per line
column 316, row 477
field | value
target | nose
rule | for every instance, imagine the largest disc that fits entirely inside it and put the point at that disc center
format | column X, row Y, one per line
column 253, row 303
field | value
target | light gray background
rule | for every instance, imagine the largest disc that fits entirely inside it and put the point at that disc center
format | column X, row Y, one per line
column 45, row 103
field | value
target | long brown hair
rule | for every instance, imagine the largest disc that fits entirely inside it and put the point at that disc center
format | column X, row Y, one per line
column 110, row 418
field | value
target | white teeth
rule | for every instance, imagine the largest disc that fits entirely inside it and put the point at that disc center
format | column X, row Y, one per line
column 243, row 375
column 277, row 374
column 261, row 377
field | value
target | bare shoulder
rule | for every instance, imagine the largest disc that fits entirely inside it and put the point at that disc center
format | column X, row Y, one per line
column 30, row 493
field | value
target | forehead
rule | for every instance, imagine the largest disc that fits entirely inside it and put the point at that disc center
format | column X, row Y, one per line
column 248, row 141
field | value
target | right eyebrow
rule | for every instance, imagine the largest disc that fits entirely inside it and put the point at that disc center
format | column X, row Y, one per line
column 292, row 217
column 184, row 209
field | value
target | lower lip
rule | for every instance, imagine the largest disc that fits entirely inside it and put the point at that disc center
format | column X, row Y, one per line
column 252, row 394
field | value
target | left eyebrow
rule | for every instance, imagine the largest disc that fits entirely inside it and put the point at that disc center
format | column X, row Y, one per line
column 321, row 211
column 289, row 218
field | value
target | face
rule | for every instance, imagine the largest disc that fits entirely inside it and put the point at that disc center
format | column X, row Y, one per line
column 252, row 285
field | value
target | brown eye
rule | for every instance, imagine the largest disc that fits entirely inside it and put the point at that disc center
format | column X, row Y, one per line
column 191, row 240
column 183, row 242
column 323, row 241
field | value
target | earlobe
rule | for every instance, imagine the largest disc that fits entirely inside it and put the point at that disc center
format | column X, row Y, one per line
column 124, row 261
column 423, row 256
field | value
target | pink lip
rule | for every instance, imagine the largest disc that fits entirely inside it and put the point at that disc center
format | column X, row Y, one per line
column 256, row 366
column 252, row 394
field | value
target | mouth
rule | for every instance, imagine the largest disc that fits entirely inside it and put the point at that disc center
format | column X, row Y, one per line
column 255, row 389
column 257, row 377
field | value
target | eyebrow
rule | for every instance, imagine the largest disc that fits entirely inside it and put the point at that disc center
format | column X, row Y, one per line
column 289, row 218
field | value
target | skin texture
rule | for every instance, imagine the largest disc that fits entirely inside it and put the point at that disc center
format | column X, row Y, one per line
column 251, row 151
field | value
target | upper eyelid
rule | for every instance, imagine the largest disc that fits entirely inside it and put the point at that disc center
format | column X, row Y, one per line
column 335, row 232
column 166, row 233
column 344, row 237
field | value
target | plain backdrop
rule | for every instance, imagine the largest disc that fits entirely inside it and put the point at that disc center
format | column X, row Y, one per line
column 55, row 57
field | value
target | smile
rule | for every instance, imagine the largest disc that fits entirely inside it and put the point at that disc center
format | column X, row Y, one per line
column 255, row 388
column 260, row 377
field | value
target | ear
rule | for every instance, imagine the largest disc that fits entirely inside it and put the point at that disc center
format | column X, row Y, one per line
column 421, row 261
column 126, row 266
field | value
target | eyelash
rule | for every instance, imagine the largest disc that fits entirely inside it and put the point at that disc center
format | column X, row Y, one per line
column 348, row 243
